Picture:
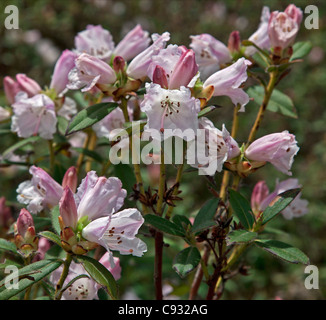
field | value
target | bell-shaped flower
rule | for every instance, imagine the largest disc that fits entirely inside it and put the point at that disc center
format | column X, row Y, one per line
column 260, row 36
column 173, row 67
column 297, row 208
column 283, row 27
column 23, row 83
column 42, row 191
column 88, row 72
column 277, row 148
column 135, row 42
column 34, row 116
column 64, row 65
column 175, row 110
column 227, row 82
column 118, row 233
column 138, row 67
column 210, row 53
column 95, row 41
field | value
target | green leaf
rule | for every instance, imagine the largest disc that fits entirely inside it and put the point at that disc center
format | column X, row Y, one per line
column 205, row 217
column 9, row 263
column 241, row 236
column 205, row 111
column 30, row 275
column 164, row 225
column 126, row 174
column 279, row 102
column 20, row 144
column 186, row 261
column 7, row 246
column 55, row 213
column 301, row 49
column 51, row 236
column 89, row 116
column 279, row 204
column 100, row 274
column 41, row 222
column 283, row 251
column 242, row 209
column 62, row 125
column 181, row 221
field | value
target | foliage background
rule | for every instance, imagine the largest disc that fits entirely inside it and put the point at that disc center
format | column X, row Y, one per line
column 48, row 26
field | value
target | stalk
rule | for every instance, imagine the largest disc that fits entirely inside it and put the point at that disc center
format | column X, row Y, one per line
column 64, row 274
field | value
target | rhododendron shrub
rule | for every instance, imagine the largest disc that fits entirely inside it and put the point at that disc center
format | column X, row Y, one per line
column 100, row 179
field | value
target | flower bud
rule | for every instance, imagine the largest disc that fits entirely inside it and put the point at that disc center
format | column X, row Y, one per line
column 68, row 210
column 185, row 69
column 11, row 89
column 278, row 148
column 294, row 12
column 28, row 85
column 70, row 179
column 118, row 64
column 159, row 77
column 259, row 193
column 234, row 42
column 65, row 63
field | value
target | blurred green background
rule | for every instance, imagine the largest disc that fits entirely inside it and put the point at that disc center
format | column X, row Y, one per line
column 48, row 27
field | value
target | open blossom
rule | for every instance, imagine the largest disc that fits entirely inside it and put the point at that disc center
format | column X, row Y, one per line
column 173, row 67
column 88, row 72
column 277, row 148
column 22, row 83
column 214, row 147
column 175, row 110
column 297, row 208
column 63, row 66
column 135, row 41
column 260, row 36
column 34, row 116
column 138, row 67
column 84, row 288
column 227, row 82
column 283, row 27
column 97, row 202
column 95, row 41
column 42, row 191
column 210, row 53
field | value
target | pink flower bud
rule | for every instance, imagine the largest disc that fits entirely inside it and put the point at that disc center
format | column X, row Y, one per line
column 278, row 148
column 259, row 193
column 28, row 85
column 159, row 77
column 61, row 70
column 11, row 88
column 185, row 69
column 234, row 42
column 118, row 64
column 24, row 223
column 136, row 41
column 70, row 179
column 68, row 209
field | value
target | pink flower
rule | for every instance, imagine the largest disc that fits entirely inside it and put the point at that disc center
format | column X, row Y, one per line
column 83, row 288
column 227, row 82
column 210, row 53
column 135, row 41
column 34, row 116
column 42, row 191
column 297, row 208
column 234, row 42
column 138, row 67
column 70, row 179
column 95, row 41
column 23, row 83
column 65, row 63
column 173, row 67
column 260, row 36
column 284, row 26
column 88, row 72
column 278, row 148
column 175, row 110
column 43, row 246
column 259, row 193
